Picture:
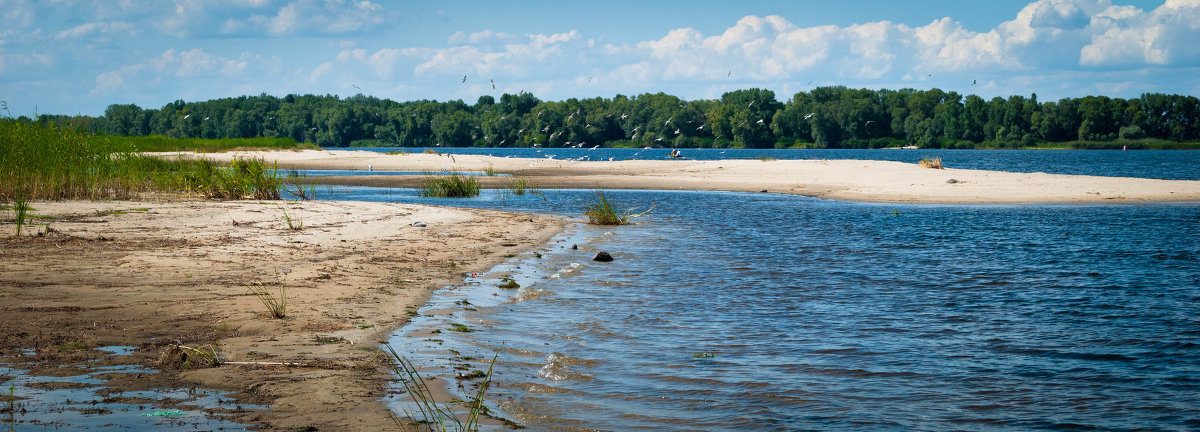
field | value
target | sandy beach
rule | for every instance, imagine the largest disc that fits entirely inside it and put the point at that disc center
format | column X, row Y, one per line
column 848, row 180
column 156, row 274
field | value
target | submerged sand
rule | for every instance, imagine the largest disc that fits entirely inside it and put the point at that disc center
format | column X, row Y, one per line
column 156, row 274
column 849, row 180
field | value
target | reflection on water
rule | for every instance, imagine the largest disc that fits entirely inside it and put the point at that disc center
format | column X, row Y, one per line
column 727, row 311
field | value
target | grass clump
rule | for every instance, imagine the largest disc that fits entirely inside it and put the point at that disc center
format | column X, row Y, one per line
column 276, row 306
column 20, row 209
column 435, row 416
column 927, row 162
column 293, row 223
column 451, row 186
column 605, row 212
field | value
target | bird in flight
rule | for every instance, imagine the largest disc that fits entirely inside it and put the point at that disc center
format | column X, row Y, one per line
column 809, row 116
column 464, row 78
column 869, row 122
column 973, row 82
column 493, row 84
column 356, row 86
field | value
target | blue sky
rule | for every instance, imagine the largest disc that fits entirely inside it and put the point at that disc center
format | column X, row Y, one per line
column 77, row 57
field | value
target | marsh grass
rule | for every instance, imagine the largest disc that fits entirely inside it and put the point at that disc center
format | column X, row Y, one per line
column 451, row 186
column 935, row 163
column 605, row 212
column 40, row 162
column 490, row 171
column 435, row 416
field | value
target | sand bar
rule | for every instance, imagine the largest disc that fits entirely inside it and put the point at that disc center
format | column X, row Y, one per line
column 155, row 274
column 848, row 180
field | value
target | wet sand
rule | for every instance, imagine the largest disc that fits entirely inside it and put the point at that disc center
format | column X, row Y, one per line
column 848, row 180
column 157, row 274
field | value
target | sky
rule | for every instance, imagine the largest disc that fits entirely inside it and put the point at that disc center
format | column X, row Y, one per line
column 79, row 56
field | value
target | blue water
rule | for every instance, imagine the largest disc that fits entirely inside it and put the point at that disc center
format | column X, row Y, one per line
column 738, row 311
column 735, row 311
column 1160, row 164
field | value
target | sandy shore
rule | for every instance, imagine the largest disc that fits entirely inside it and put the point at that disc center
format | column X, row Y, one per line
column 850, row 180
column 155, row 274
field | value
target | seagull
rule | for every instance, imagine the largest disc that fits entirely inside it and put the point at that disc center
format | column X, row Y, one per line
column 593, row 148
column 869, row 122
column 356, row 86
column 206, row 118
column 668, row 121
column 658, row 139
column 493, row 84
column 729, row 74
column 546, row 129
column 624, row 116
column 760, row 121
column 808, row 116
column 700, row 128
column 464, row 78
column 750, row 105
column 186, row 116
column 677, row 131
column 973, row 82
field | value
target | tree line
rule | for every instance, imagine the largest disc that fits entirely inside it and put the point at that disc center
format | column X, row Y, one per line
column 826, row 117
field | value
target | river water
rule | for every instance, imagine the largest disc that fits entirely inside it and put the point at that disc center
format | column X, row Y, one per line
column 739, row 311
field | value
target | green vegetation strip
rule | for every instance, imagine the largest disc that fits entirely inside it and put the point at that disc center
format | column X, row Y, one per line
column 41, row 162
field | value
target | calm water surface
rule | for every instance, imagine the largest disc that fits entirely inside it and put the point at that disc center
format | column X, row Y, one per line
column 732, row 311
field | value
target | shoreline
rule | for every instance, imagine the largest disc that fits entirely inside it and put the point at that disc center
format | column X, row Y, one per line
column 843, row 180
column 152, row 275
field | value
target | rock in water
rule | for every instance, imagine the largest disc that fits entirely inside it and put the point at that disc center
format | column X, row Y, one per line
column 602, row 256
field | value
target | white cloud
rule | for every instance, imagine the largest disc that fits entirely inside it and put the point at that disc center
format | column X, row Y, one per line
column 102, row 29
column 189, row 65
column 1167, row 35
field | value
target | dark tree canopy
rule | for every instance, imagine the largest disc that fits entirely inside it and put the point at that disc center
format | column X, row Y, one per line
column 826, row 117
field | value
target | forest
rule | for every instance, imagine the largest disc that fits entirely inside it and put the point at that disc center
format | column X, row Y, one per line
column 826, row 117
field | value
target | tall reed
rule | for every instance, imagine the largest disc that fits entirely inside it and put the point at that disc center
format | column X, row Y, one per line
column 40, row 162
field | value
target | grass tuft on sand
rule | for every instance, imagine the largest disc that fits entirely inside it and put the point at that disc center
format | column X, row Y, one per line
column 934, row 163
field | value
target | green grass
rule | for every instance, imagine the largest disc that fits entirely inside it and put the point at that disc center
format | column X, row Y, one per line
column 605, row 212
column 435, row 416
column 158, row 143
column 451, row 186
column 39, row 162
